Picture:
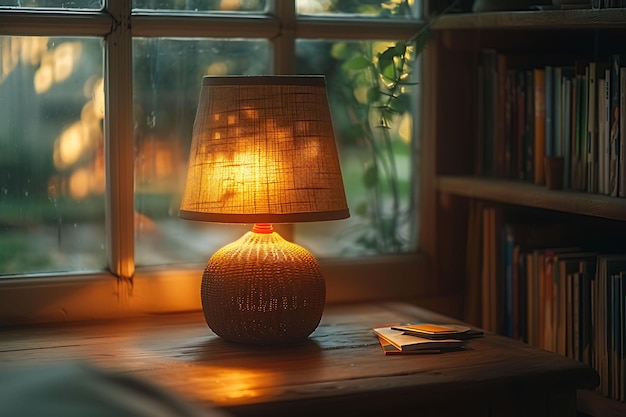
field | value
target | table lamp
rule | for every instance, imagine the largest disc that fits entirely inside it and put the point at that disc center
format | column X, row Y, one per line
column 263, row 151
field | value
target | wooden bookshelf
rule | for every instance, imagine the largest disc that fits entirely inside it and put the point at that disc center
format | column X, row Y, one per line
column 535, row 20
column 451, row 138
column 530, row 195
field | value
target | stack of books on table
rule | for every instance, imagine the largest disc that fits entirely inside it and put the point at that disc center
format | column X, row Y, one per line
column 424, row 338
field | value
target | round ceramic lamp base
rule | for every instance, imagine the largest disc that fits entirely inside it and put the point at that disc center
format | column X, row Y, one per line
column 262, row 289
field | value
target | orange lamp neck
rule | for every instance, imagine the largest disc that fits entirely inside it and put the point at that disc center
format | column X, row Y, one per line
column 263, row 228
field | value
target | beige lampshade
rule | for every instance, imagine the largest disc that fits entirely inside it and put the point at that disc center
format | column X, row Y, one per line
column 263, row 150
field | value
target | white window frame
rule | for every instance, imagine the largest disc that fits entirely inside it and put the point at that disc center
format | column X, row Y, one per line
column 124, row 291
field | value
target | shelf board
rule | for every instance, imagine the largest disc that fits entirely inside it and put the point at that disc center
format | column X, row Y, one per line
column 548, row 19
column 592, row 403
column 529, row 195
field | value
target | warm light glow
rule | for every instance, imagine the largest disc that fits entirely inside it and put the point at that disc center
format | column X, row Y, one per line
column 223, row 385
column 43, row 79
column 56, row 65
column 13, row 49
column 405, row 129
column 98, row 98
column 156, row 159
column 230, row 5
column 64, row 57
column 264, row 149
column 70, row 145
column 217, row 68
column 79, row 184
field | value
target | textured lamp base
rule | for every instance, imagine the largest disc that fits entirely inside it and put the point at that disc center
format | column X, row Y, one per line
column 262, row 289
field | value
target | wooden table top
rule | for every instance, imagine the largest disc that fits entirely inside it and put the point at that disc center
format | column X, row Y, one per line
column 341, row 365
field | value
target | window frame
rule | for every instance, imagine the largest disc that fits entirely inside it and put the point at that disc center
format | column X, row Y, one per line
column 123, row 291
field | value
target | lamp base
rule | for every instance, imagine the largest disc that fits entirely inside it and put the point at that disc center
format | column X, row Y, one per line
column 262, row 289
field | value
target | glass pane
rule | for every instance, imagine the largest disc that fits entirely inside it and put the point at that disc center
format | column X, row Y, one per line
column 51, row 159
column 396, row 9
column 54, row 4
column 167, row 75
column 374, row 120
column 201, row 5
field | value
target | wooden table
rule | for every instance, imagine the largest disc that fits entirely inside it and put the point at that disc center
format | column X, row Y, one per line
column 341, row 369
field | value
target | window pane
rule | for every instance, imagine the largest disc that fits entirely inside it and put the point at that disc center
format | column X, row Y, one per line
column 375, row 138
column 396, row 9
column 51, row 159
column 167, row 75
column 201, row 5
column 54, row 4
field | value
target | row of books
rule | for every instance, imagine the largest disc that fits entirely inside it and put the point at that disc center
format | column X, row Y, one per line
column 567, row 298
column 558, row 106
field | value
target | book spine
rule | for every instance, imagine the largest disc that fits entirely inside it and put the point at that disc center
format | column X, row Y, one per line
column 539, row 75
column 622, row 134
column 607, row 130
column 529, row 129
column 549, row 111
column 592, row 126
column 557, row 114
column 500, row 112
column 520, row 123
column 614, row 128
column 579, row 168
column 604, row 97
column 567, row 131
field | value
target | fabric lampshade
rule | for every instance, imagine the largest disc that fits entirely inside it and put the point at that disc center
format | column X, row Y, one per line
column 263, row 150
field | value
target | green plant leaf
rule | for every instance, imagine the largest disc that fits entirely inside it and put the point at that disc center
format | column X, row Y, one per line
column 399, row 104
column 359, row 62
column 361, row 209
column 400, row 48
column 370, row 176
column 386, row 64
column 373, row 95
column 420, row 41
column 339, row 50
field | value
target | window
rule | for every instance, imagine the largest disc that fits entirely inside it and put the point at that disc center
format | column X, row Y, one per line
column 96, row 121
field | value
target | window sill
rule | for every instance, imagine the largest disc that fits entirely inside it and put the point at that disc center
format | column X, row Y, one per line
column 159, row 291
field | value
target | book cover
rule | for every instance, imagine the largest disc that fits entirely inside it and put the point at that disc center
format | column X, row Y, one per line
column 439, row 331
column 405, row 342
column 389, row 349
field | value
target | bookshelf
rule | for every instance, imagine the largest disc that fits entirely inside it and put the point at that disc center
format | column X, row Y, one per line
column 452, row 184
